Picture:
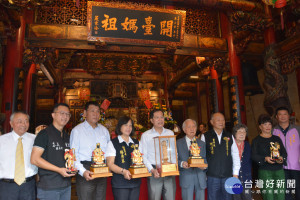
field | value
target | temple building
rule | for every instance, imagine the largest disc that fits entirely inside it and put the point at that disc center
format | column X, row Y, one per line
column 190, row 58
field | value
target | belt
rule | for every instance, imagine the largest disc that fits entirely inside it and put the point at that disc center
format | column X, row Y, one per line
column 12, row 180
column 86, row 162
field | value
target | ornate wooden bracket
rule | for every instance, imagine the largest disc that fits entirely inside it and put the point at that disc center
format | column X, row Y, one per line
column 219, row 63
column 38, row 55
column 63, row 59
column 275, row 83
column 100, row 44
column 247, row 27
column 290, row 62
column 170, row 49
column 11, row 21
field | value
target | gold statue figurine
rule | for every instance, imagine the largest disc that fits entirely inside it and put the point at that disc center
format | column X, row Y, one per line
column 195, row 160
column 136, row 157
column 195, row 150
column 70, row 158
column 98, row 157
column 138, row 169
column 274, row 150
column 164, row 151
column 98, row 166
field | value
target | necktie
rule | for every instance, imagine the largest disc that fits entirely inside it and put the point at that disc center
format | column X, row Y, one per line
column 19, row 164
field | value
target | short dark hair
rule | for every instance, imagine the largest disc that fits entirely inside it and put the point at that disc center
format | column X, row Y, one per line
column 264, row 118
column 59, row 104
column 94, row 103
column 154, row 111
column 238, row 127
column 202, row 124
column 281, row 108
column 122, row 121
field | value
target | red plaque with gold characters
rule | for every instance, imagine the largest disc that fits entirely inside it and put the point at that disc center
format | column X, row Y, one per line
column 195, row 160
column 98, row 166
column 138, row 169
column 166, row 155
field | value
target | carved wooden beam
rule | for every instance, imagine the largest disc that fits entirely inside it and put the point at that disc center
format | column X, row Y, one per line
column 183, row 95
column 289, row 53
column 75, row 37
column 230, row 5
column 182, row 76
column 289, row 45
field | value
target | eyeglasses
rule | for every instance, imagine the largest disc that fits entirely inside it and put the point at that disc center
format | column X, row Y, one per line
column 64, row 114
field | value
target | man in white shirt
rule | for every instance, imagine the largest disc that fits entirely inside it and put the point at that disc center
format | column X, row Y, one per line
column 222, row 156
column 17, row 174
column 156, row 184
column 84, row 138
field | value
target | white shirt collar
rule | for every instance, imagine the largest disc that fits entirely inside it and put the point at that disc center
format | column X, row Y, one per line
column 154, row 131
column 87, row 125
column 121, row 140
column 16, row 136
column 217, row 133
column 188, row 139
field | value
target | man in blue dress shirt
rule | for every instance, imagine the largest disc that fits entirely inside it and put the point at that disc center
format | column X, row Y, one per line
column 84, row 138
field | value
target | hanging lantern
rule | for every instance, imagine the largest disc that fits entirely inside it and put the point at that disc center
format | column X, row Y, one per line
column 84, row 93
column 280, row 3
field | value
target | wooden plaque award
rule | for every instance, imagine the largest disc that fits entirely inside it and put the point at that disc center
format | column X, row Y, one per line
column 195, row 160
column 138, row 169
column 166, row 155
column 98, row 166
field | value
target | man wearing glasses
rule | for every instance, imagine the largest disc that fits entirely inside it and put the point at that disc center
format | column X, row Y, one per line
column 84, row 138
column 48, row 155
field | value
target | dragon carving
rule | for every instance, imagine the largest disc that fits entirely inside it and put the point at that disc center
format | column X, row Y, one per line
column 275, row 83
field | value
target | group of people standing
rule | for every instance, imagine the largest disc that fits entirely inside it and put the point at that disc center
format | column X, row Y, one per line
column 22, row 156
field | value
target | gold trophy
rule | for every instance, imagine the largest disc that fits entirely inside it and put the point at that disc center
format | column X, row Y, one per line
column 98, row 166
column 275, row 150
column 70, row 158
column 195, row 160
column 166, row 155
column 138, row 169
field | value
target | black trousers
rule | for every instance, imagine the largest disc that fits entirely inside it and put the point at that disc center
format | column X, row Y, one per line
column 126, row 193
column 91, row 190
column 12, row 191
column 292, row 175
